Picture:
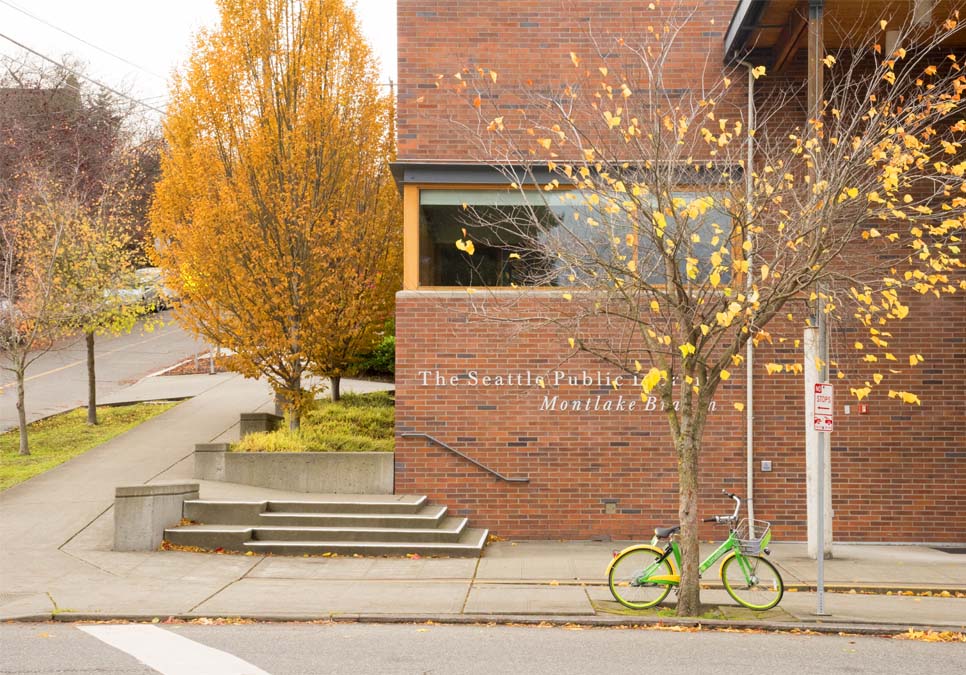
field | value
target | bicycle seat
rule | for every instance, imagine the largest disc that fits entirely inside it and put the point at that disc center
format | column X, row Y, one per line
column 665, row 532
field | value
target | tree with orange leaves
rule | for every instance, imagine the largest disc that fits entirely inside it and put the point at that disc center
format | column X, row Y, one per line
column 276, row 218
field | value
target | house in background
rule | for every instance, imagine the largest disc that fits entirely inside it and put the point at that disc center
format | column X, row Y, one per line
column 473, row 428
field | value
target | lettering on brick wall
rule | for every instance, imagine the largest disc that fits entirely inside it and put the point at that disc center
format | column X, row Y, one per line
column 616, row 399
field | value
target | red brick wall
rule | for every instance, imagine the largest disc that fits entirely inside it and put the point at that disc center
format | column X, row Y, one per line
column 899, row 472
column 528, row 44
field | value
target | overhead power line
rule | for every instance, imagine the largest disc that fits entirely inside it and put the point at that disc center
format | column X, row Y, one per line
column 80, row 39
column 82, row 76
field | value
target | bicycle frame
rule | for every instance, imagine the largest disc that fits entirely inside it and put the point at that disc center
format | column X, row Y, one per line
column 673, row 550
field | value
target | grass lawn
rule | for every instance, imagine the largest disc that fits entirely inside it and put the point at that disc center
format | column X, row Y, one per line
column 56, row 439
column 357, row 423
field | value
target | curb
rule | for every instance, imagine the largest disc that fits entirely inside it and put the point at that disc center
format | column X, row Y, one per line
column 830, row 628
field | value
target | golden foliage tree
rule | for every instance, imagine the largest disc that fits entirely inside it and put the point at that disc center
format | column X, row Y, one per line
column 680, row 230
column 65, row 218
column 275, row 216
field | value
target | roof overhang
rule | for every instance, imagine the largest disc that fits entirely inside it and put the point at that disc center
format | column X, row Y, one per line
column 443, row 172
column 771, row 32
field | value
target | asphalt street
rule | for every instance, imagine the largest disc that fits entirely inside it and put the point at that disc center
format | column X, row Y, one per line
column 57, row 380
column 282, row 649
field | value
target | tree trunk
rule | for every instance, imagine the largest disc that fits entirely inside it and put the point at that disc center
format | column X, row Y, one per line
column 22, row 413
column 336, row 382
column 295, row 409
column 91, row 380
column 280, row 405
column 689, row 599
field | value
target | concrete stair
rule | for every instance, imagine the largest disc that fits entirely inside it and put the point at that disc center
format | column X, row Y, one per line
column 347, row 524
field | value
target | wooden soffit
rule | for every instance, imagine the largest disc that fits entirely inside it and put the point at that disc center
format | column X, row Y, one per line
column 771, row 32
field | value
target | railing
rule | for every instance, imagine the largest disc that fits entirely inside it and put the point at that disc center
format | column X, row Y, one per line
column 469, row 459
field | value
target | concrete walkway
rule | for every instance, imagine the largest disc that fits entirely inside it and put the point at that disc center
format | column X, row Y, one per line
column 56, row 560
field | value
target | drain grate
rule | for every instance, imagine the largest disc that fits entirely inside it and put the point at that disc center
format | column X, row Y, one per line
column 961, row 550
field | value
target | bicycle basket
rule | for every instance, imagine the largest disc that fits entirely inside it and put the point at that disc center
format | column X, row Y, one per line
column 750, row 535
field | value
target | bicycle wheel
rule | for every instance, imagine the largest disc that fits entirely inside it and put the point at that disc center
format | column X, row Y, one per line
column 629, row 573
column 756, row 584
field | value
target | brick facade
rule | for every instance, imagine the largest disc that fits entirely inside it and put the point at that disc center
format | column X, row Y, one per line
column 528, row 43
column 899, row 472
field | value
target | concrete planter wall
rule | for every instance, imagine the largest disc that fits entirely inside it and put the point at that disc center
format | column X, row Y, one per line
column 324, row 472
column 142, row 512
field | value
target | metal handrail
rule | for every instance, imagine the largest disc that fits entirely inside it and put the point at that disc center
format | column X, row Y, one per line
column 466, row 457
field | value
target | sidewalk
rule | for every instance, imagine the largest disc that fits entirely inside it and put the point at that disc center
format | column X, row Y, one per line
column 56, row 560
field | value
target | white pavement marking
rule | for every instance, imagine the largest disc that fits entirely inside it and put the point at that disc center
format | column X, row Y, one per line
column 169, row 653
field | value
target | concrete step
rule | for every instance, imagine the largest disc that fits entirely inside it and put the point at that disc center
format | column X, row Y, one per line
column 210, row 537
column 469, row 545
column 449, row 530
column 362, row 504
column 234, row 538
column 223, row 512
column 249, row 512
column 428, row 517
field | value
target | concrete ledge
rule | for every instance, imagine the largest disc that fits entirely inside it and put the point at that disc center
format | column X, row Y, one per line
column 321, row 472
column 142, row 512
column 251, row 423
column 210, row 461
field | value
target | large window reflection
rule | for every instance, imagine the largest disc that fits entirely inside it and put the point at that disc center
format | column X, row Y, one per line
column 536, row 238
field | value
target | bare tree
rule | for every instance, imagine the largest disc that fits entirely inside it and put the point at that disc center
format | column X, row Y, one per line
column 67, row 173
column 672, row 252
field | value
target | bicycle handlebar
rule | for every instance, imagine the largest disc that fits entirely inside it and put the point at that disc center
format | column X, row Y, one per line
column 727, row 519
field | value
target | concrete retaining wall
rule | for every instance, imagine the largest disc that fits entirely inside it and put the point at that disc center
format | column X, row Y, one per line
column 324, row 472
column 142, row 512
column 251, row 423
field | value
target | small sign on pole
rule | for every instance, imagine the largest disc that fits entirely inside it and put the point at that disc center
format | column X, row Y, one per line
column 823, row 408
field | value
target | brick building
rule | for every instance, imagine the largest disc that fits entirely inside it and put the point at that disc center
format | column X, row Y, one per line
column 468, row 365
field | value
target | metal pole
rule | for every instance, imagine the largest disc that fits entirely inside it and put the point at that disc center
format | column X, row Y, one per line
column 816, row 89
column 822, row 440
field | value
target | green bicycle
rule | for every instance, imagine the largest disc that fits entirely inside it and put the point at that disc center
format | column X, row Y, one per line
column 642, row 575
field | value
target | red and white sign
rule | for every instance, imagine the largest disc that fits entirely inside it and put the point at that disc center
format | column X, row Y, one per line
column 823, row 408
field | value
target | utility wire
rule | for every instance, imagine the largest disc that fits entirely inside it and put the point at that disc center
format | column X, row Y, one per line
column 81, row 75
column 80, row 39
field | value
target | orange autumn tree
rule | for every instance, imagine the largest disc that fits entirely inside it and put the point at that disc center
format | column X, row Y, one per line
column 275, row 217
column 679, row 231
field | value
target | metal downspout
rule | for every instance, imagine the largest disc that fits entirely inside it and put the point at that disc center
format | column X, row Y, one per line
column 749, row 347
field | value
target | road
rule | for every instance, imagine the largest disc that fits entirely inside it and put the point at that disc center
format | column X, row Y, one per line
column 281, row 649
column 57, row 381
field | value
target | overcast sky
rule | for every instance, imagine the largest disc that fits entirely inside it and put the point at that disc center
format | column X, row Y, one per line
column 154, row 36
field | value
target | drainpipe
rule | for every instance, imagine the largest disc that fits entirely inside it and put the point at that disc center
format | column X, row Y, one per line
column 749, row 347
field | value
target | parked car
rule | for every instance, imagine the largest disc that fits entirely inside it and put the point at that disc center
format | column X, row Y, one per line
column 147, row 290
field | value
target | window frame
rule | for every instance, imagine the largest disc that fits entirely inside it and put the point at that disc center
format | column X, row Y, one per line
column 411, row 232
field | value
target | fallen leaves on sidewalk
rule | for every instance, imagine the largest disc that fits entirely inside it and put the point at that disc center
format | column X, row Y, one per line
column 931, row 636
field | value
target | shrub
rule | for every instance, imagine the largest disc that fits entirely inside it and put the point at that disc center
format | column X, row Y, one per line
column 357, row 423
column 382, row 359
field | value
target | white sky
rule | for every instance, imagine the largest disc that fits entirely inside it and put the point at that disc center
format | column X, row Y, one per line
column 156, row 36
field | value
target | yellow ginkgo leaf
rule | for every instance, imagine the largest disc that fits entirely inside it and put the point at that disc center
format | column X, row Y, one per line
column 651, row 379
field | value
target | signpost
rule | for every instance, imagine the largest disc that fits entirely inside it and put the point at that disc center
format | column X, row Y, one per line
column 823, row 408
